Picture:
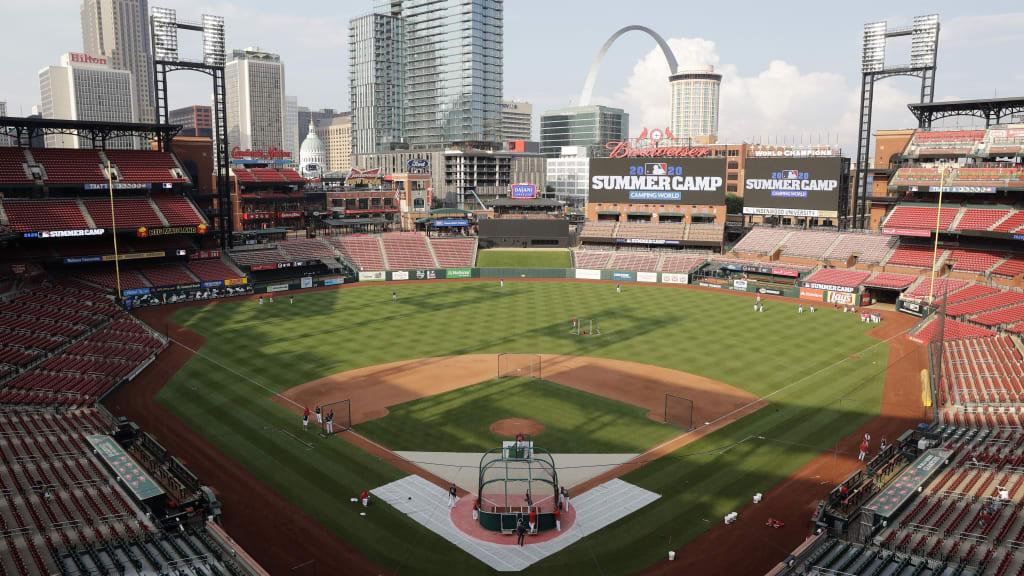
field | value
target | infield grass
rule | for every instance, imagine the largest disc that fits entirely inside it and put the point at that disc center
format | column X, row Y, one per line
column 251, row 351
column 574, row 421
column 523, row 259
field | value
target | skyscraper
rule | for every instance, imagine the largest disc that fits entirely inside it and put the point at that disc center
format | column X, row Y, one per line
column 256, row 109
column 339, row 144
column 291, row 128
column 427, row 73
column 194, row 120
column 587, row 126
column 693, row 114
column 86, row 88
column 375, row 82
column 516, row 121
column 118, row 31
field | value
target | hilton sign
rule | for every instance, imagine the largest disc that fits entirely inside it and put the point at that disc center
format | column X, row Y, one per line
column 85, row 59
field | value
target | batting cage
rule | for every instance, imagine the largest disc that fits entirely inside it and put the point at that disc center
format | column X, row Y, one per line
column 515, row 479
column 585, row 327
column 335, row 417
column 679, row 411
column 519, row 365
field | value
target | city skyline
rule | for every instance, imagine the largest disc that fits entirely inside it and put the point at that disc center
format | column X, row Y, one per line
column 803, row 85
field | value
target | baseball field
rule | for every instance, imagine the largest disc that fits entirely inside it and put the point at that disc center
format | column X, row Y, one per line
column 820, row 374
column 543, row 258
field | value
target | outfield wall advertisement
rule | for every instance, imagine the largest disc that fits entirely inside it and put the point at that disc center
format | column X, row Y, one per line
column 699, row 181
column 803, row 187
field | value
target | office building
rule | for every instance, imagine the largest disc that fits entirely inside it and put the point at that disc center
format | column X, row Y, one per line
column 587, row 126
column 291, row 128
column 320, row 118
column 118, row 31
column 339, row 143
column 569, row 175
column 693, row 114
column 376, row 82
column 196, row 121
column 427, row 74
column 256, row 108
column 84, row 87
column 516, row 121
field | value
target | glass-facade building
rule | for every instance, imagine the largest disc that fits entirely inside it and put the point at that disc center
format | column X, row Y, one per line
column 693, row 114
column 587, row 126
column 439, row 62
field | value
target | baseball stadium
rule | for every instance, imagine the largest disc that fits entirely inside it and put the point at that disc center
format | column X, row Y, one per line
column 253, row 373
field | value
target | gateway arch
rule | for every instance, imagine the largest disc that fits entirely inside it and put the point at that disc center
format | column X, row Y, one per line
column 588, row 86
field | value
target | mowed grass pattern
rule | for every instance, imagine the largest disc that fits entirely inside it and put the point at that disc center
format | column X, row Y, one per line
column 523, row 259
column 574, row 421
column 224, row 393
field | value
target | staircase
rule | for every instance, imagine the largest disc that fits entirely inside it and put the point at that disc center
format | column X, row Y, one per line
column 383, row 253
column 1001, row 220
column 85, row 213
column 156, row 209
column 430, row 248
column 824, row 255
column 956, row 219
column 476, row 248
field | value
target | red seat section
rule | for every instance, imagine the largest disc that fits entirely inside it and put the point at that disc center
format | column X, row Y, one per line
column 985, row 303
column 974, row 260
column 177, row 210
column 407, row 250
column 243, row 175
column 291, row 175
column 70, row 165
column 36, row 215
column 145, row 166
column 211, row 270
column 592, row 259
column 166, row 274
column 1012, row 268
column 846, row 278
column 954, row 330
column 913, row 256
column 979, row 219
column 920, row 217
column 1003, row 316
column 129, row 213
column 362, row 251
column 454, row 252
column 1015, row 223
column 107, row 277
column 892, row 281
column 267, row 175
column 12, row 166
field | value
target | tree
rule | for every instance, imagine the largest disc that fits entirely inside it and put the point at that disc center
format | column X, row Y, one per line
column 733, row 204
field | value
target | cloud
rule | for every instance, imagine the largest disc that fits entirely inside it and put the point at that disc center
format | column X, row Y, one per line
column 970, row 32
column 780, row 102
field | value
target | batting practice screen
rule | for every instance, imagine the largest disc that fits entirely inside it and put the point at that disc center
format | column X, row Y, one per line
column 802, row 187
column 698, row 181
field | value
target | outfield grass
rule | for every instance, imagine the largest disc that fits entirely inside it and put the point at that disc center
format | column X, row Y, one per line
column 523, row 259
column 254, row 350
column 574, row 421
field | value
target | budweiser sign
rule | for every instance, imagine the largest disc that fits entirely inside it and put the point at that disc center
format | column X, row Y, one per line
column 271, row 153
column 630, row 150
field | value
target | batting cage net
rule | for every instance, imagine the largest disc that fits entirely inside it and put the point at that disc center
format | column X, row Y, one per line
column 517, row 476
column 585, row 327
column 679, row 411
column 335, row 417
column 519, row 365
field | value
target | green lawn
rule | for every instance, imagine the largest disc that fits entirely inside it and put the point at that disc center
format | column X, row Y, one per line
column 523, row 259
column 252, row 350
column 574, row 421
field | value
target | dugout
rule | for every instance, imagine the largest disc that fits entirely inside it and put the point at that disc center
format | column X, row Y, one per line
column 524, row 233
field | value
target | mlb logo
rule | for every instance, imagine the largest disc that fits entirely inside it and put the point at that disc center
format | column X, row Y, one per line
column 790, row 175
column 657, row 169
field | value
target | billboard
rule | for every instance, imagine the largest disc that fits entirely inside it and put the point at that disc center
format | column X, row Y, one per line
column 806, row 187
column 658, row 181
column 524, row 191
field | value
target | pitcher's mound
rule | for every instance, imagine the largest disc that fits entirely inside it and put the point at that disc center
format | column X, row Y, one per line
column 509, row 427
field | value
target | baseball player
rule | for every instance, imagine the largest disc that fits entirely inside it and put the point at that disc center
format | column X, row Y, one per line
column 618, row 288
column 756, row 305
column 533, row 520
column 305, row 418
column 261, row 300
column 476, row 508
column 558, row 519
column 863, row 451
column 760, row 307
column 394, row 297
column 319, row 416
column 885, row 443
column 271, row 297
column 451, row 496
column 565, row 498
column 520, row 531
column 800, row 310
column 330, row 422
column 291, row 299
column 758, row 299
column 365, row 498
column 501, row 283
column 812, row 308
column 867, row 439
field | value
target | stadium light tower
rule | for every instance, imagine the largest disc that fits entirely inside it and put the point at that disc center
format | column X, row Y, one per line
column 924, row 47
column 164, row 25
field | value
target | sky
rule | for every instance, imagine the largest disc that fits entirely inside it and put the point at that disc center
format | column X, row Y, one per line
column 791, row 69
